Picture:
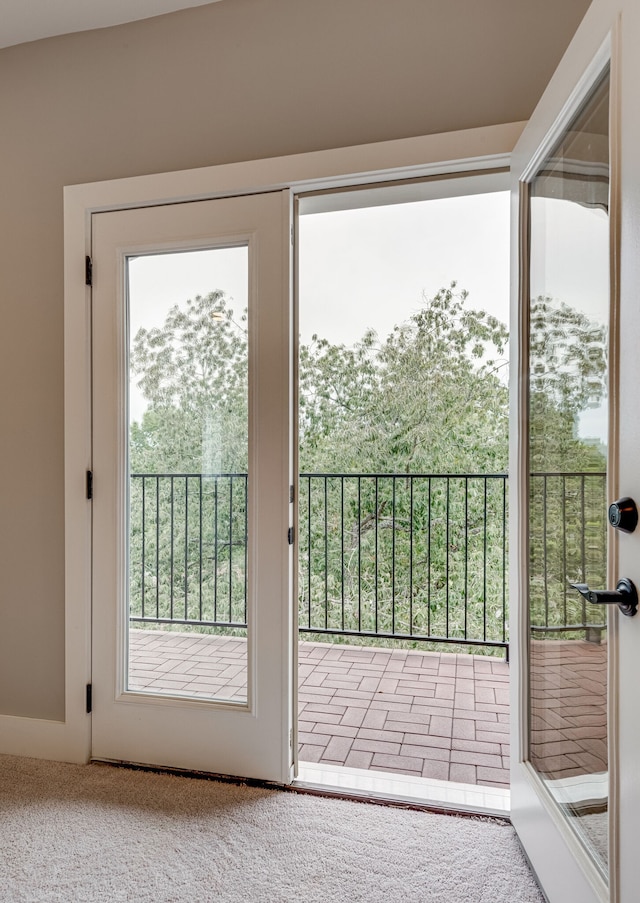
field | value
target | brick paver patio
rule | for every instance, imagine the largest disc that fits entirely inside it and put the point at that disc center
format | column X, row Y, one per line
column 568, row 707
column 428, row 714
column 437, row 715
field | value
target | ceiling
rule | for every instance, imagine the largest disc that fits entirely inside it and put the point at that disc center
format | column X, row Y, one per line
column 30, row 20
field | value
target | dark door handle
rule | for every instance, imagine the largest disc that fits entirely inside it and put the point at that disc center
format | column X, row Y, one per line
column 625, row 596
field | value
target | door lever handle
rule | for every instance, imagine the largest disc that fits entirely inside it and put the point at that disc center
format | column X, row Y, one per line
column 625, row 596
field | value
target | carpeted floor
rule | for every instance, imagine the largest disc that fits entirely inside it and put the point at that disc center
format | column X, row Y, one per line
column 95, row 833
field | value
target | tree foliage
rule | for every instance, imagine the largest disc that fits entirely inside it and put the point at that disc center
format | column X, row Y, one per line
column 431, row 397
column 193, row 373
column 568, row 369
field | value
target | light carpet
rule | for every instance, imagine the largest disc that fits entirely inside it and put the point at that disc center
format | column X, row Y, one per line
column 97, row 833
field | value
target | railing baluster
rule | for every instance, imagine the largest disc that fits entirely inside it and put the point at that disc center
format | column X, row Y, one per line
column 429, row 558
column 446, row 546
column 564, row 547
column 393, row 554
column 375, row 557
column 342, row 546
column 545, row 561
column 171, row 581
column 585, row 576
column 504, row 560
column 230, row 548
column 186, row 548
column 484, row 566
column 144, row 507
column 326, row 555
column 411, row 555
column 157, row 547
column 309, row 550
column 200, row 495
column 359, row 553
column 466, row 556
column 246, row 542
column 215, row 548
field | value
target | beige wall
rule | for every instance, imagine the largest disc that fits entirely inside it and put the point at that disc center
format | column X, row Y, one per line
column 237, row 80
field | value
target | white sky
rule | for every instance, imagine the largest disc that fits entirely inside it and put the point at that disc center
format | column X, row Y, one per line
column 570, row 255
column 570, row 262
column 158, row 281
column 369, row 267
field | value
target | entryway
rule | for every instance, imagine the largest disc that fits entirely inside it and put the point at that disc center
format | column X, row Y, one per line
column 402, row 515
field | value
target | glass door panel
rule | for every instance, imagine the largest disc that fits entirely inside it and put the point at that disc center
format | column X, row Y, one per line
column 568, row 443
column 188, row 460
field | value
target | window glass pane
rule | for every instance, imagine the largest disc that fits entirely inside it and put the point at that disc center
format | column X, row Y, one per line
column 568, row 420
column 188, row 452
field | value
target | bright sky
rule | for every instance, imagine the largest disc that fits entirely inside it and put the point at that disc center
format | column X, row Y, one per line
column 570, row 262
column 369, row 267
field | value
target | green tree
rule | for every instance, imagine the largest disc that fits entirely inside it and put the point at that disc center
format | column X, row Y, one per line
column 432, row 397
column 568, row 368
column 193, row 373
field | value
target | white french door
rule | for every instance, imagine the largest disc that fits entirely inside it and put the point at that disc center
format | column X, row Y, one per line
column 575, row 328
column 192, row 624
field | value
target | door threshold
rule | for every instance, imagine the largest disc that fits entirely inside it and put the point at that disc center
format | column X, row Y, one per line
column 447, row 795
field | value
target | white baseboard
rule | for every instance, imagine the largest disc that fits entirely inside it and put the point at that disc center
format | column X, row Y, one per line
column 56, row 740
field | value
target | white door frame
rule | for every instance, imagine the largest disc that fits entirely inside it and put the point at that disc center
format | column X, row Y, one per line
column 564, row 869
column 473, row 149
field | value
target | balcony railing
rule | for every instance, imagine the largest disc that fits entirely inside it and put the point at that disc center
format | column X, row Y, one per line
column 568, row 544
column 418, row 557
column 395, row 556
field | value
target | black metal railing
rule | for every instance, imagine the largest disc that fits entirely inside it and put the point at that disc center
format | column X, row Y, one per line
column 420, row 556
column 568, row 544
column 188, row 549
column 394, row 556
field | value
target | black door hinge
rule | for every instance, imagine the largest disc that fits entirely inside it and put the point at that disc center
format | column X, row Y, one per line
column 88, row 271
column 89, row 484
column 290, row 536
column 88, row 698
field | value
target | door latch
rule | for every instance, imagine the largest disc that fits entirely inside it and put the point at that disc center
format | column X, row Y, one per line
column 625, row 596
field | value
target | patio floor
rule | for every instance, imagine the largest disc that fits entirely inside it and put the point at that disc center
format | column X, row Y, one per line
column 428, row 714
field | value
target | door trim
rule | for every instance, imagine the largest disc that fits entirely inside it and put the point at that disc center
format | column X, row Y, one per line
column 473, row 149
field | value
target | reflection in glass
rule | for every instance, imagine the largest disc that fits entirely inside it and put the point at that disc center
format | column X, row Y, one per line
column 188, row 451
column 568, row 417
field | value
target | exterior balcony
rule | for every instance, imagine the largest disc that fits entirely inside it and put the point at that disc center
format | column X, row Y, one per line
column 402, row 613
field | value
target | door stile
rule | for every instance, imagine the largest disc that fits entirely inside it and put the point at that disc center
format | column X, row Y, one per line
column 290, row 246
column 519, row 487
column 563, row 866
column 613, row 468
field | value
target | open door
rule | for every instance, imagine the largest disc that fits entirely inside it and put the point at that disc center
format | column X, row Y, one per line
column 575, row 555
column 191, row 553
